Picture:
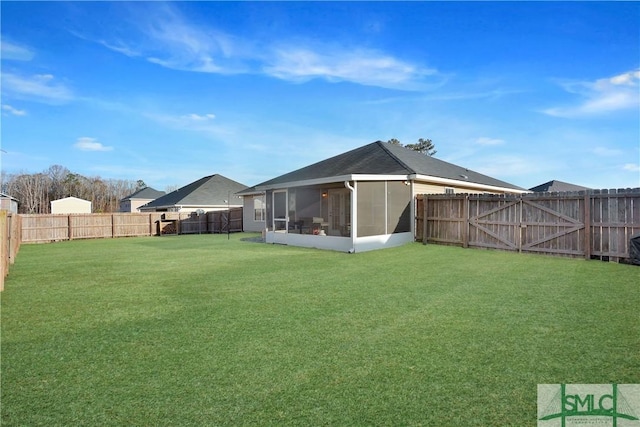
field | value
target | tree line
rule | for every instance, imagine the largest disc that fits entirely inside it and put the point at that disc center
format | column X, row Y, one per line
column 35, row 191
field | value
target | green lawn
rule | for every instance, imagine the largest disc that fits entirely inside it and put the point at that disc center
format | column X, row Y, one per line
column 201, row 330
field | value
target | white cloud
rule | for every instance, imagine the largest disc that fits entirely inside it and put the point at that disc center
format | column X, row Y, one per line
column 601, row 96
column 119, row 47
column 15, row 51
column 90, row 144
column 607, row 152
column 11, row 110
column 632, row 167
column 199, row 118
column 39, row 86
column 357, row 66
column 163, row 36
column 489, row 141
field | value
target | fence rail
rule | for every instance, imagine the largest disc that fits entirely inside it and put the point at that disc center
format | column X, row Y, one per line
column 594, row 224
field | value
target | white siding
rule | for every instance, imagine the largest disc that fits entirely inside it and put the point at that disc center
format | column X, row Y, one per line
column 424, row 188
column 249, row 222
column 70, row 205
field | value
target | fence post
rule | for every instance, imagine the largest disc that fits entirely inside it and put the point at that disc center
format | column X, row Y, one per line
column 424, row 219
column 520, row 226
column 587, row 225
column 465, row 221
column 70, row 228
column 4, row 245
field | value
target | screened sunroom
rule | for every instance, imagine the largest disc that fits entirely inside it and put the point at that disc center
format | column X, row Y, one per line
column 349, row 216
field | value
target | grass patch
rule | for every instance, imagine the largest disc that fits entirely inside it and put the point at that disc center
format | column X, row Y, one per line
column 201, row 330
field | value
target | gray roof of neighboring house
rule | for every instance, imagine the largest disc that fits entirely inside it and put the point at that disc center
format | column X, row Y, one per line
column 211, row 190
column 146, row 193
column 557, row 186
column 6, row 196
column 382, row 158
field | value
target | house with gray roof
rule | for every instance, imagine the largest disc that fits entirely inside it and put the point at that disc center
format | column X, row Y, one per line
column 8, row 203
column 360, row 200
column 132, row 202
column 557, row 186
column 211, row 193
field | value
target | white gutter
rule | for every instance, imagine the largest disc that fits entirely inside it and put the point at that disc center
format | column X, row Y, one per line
column 333, row 179
column 354, row 216
column 460, row 183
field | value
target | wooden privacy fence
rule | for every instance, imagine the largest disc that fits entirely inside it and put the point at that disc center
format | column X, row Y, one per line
column 594, row 224
column 52, row 228
column 211, row 222
column 10, row 230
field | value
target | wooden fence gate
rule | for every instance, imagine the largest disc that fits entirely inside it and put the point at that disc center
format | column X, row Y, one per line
column 548, row 225
column 597, row 223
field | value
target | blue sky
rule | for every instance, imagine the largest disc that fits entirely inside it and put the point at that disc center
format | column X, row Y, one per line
column 171, row 92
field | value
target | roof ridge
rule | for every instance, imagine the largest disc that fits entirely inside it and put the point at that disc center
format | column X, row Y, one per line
column 394, row 157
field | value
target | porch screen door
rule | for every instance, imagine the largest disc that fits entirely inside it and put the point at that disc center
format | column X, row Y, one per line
column 339, row 212
column 280, row 204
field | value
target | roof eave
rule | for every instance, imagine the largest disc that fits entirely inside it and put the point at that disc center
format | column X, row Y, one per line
column 331, row 180
column 472, row 185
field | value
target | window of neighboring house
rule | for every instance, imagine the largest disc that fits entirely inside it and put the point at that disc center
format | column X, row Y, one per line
column 258, row 209
column 449, row 190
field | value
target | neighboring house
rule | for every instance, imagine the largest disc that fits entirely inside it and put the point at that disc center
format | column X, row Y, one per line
column 210, row 193
column 359, row 200
column 141, row 197
column 70, row 205
column 8, row 203
column 557, row 186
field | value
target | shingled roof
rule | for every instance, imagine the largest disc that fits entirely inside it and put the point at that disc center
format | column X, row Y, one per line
column 146, row 193
column 557, row 186
column 382, row 158
column 211, row 190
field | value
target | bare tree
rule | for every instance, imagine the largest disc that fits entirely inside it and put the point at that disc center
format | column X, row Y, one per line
column 35, row 191
column 57, row 175
column 31, row 192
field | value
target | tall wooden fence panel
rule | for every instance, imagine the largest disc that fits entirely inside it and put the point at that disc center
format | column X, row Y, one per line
column 53, row 228
column 615, row 218
column 44, row 228
column 493, row 222
column 194, row 223
column 225, row 221
column 581, row 224
column 10, row 239
column 90, row 226
column 134, row 224
column 4, row 246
